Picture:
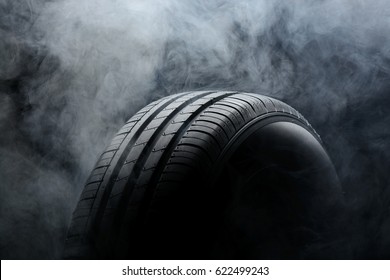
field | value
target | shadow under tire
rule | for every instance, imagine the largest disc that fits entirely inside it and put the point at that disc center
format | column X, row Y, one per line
column 209, row 174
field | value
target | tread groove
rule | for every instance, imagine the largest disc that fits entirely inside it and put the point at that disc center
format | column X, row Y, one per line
column 226, row 105
column 243, row 100
column 209, row 110
column 200, row 125
column 205, row 132
column 258, row 98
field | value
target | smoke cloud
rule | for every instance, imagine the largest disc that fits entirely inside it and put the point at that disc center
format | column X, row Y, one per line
column 72, row 72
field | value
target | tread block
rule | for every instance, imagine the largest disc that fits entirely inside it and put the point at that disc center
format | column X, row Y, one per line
column 216, row 133
column 204, row 136
column 92, row 187
column 201, row 144
column 231, row 110
column 88, row 194
column 164, row 113
column 107, row 156
column 134, row 153
column 163, row 142
column 145, row 136
column 212, row 118
column 225, row 114
column 173, row 128
column 119, row 187
column 153, row 159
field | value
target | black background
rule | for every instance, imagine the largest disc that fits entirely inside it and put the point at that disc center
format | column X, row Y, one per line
column 72, row 72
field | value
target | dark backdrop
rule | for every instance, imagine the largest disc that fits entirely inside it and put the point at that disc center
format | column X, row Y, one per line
column 72, row 72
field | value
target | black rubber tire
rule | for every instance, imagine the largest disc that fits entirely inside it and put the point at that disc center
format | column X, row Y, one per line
column 184, row 179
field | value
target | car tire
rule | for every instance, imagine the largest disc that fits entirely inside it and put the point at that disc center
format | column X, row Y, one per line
column 209, row 175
